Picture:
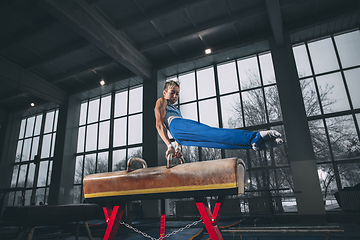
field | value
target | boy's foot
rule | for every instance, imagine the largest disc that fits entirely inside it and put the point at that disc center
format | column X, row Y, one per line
column 266, row 139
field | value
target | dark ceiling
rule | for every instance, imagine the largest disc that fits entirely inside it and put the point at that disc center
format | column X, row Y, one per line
column 51, row 49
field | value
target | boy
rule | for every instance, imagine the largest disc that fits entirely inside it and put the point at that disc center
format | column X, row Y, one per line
column 191, row 133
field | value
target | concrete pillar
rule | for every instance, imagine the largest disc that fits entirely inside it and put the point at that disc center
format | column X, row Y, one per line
column 300, row 151
column 151, row 208
column 9, row 133
column 150, row 150
column 62, row 177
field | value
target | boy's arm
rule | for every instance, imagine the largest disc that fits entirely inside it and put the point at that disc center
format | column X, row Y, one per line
column 160, row 113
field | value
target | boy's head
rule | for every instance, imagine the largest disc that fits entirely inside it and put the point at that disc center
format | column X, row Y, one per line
column 171, row 83
column 171, row 91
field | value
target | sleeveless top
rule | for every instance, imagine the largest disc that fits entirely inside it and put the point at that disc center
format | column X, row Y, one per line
column 171, row 113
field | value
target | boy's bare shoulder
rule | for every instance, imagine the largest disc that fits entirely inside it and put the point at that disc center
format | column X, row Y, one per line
column 161, row 102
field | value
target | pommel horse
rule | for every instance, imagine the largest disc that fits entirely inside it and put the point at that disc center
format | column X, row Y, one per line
column 199, row 179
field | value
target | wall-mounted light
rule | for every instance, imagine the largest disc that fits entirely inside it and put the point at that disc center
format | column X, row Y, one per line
column 208, row 51
column 102, row 82
column 32, row 104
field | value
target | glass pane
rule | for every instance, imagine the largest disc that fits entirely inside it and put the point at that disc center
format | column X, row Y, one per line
column 208, row 154
column 249, row 73
column 45, row 151
column 53, row 145
column 89, row 165
column 231, row 111
column 254, row 107
column 93, row 114
column 81, row 138
column 40, row 196
column 273, row 104
column 323, row 56
column 187, row 87
column 319, row 140
column 49, row 120
column 327, row 179
column 105, row 108
column 302, row 61
column 267, row 69
column 30, row 178
column 260, row 159
column 56, row 120
column 310, row 98
column 190, row 154
column 240, row 153
column 91, row 137
column 135, row 152
column 135, row 100
column 22, row 176
column 43, row 170
column 30, row 127
column 349, row 174
column 135, row 129
column 22, row 128
column 343, row 137
column 38, row 124
column 227, row 77
column 83, row 111
column 262, row 179
column 18, row 151
column 14, row 176
column 119, row 160
column 284, row 178
column 120, row 132
column 28, row 197
column 189, row 111
column 26, row 150
column 208, row 112
column 102, row 164
column 78, row 170
column 11, row 199
column 50, row 172
column 348, row 47
column 121, row 99
column 77, row 194
column 353, row 84
column 205, row 83
column 19, row 200
column 34, row 149
column 332, row 92
column 104, row 135
column 280, row 153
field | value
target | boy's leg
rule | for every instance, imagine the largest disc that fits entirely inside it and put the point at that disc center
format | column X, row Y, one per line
column 191, row 133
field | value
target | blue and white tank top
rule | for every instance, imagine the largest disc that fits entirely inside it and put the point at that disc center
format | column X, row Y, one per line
column 171, row 113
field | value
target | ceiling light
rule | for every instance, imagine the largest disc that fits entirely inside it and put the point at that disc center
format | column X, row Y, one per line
column 208, row 51
column 32, row 104
column 102, row 82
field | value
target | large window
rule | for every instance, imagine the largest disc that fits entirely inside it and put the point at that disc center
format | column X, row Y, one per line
column 329, row 71
column 33, row 161
column 241, row 94
column 110, row 132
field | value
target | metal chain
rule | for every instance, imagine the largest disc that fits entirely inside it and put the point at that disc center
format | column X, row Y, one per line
column 161, row 238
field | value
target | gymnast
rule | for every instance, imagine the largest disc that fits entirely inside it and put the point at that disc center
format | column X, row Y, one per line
column 187, row 132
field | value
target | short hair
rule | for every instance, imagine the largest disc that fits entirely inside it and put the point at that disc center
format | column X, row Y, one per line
column 170, row 84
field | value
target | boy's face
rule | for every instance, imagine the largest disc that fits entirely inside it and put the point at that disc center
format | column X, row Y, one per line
column 172, row 94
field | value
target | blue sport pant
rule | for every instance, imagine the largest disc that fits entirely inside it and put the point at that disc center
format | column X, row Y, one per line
column 191, row 133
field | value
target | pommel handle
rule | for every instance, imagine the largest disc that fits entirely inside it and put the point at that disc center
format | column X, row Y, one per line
column 128, row 165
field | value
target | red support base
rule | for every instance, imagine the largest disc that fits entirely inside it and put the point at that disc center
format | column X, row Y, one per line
column 113, row 217
column 210, row 219
column 114, row 214
column 162, row 220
